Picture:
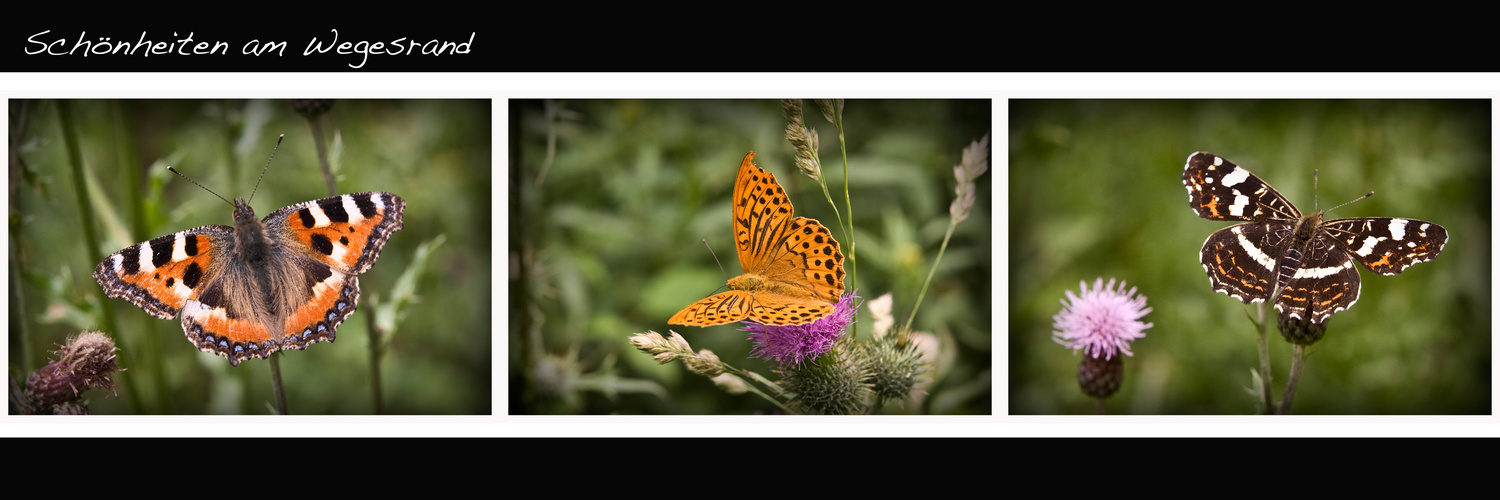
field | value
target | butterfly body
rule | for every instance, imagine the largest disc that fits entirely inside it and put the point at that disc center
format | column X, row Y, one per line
column 1311, row 260
column 262, row 285
column 794, row 271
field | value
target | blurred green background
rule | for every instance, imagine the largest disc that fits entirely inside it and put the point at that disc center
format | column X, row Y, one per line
column 609, row 202
column 1096, row 191
column 436, row 154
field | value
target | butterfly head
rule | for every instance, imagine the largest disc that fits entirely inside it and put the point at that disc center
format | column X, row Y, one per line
column 243, row 214
column 1307, row 226
column 250, row 238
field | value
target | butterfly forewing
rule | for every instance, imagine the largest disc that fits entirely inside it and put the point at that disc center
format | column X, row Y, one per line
column 761, row 214
column 1220, row 190
column 1312, row 260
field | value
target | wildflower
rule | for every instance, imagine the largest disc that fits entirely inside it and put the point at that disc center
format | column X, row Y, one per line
column 795, row 344
column 1101, row 322
column 880, row 311
column 85, row 361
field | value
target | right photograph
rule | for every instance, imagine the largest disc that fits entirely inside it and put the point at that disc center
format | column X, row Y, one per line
column 1238, row 257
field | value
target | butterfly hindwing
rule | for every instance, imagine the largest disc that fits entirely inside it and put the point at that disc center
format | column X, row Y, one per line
column 808, row 258
column 1235, row 264
column 770, row 309
column 726, row 307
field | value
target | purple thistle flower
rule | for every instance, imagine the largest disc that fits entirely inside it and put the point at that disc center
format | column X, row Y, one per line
column 795, row 344
column 1102, row 321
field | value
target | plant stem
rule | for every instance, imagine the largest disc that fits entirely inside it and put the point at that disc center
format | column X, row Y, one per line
column 751, row 379
column 952, row 224
column 1299, row 353
column 1265, row 359
column 90, row 235
column 276, row 388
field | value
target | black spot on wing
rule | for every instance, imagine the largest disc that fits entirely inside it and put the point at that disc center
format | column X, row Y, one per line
column 130, row 260
column 192, row 275
column 334, row 209
column 161, row 250
column 305, row 215
column 365, row 205
column 322, row 244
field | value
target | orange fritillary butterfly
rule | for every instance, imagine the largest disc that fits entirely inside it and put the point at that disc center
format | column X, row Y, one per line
column 794, row 271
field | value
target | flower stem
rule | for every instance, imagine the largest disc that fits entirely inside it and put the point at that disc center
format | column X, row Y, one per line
column 752, row 378
column 952, row 224
column 1265, row 359
column 1299, row 353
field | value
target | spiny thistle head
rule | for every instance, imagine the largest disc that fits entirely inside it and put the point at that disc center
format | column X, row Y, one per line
column 832, row 385
column 895, row 367
column 84, row 361
column 1100, row 377
column 1300, row 331
column 1102, row 322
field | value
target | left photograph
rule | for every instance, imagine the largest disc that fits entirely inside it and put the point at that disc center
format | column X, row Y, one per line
column 249, row 257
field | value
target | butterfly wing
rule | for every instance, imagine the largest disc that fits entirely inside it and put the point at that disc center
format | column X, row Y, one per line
column 163, row 274
column 807, row 257
column 777, row 309
column 1220, row 190
column 798, row 252
column 345, row 232
column 1388, row 245
column 727, row 307
column 761, row 214
column 1239, row 260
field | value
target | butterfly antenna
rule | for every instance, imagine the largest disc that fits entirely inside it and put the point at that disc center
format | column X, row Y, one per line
column 1315, row 195
column 716, row 257
column 190, row 179
column 267, row 167
column 1366, row 195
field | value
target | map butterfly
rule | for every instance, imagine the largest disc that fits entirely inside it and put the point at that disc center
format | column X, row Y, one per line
column 1311, row 259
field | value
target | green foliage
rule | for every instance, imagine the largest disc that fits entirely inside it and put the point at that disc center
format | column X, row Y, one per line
column 1095, row 190
column 436, row 154
column 611, row 200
